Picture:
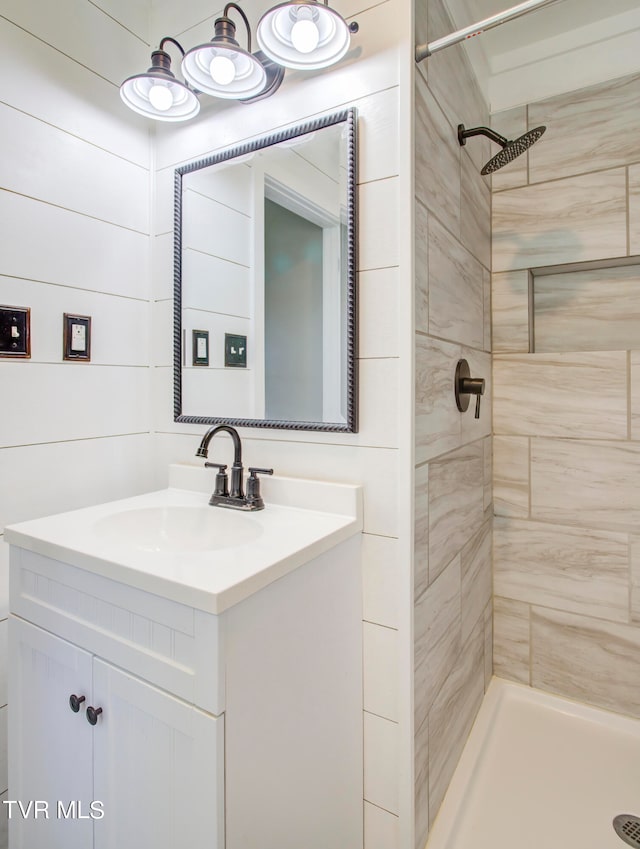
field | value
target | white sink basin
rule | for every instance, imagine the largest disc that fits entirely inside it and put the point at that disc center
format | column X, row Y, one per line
column 173, row 528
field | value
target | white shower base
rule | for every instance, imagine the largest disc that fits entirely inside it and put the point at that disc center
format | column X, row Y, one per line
column 540, row 772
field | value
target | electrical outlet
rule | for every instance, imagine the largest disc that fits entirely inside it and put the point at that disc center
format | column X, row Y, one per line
column 15, row 332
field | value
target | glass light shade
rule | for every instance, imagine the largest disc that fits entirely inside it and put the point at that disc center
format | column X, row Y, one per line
column 284, row 35
column 158, row 94
column 201, row 62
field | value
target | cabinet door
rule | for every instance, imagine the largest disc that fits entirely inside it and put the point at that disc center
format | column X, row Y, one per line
column 159, row 767
column 50, row 757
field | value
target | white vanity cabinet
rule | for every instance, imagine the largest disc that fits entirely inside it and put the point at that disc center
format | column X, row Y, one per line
column 237, row 730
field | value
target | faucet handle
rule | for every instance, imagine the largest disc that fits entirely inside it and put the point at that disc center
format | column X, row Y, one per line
column 253, row 487
column 222, row 480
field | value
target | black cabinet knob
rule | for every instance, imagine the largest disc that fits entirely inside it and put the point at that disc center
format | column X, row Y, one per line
column 75, row 702
column 93, row 714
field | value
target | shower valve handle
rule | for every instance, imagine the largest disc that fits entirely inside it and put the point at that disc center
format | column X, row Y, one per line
column 465, row 386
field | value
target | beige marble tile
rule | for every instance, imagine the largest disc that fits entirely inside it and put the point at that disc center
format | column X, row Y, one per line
column 452, row 715
column 488, row 644
column 635, row 394
column 486, row 297
column 510, row 312
column 634, row 210
column 511, row 476
column 454, row 84
column 634, row 557
column 456, row 489
column 422, row 267
column 437, row 159
column 582, row 396
column 421, row 773
column 437, row 628
column 456, row 294
column 587, row 130
column 588, row 310
column 591, row 660
column 511, row 639
column 510, row 123
column 421, row 532
column 590, row 484
column 438, row 425
column 475, row 211
column 476, row 579
column 380, row 580
column 487, row 500
column 574, row 569
column 573, row 220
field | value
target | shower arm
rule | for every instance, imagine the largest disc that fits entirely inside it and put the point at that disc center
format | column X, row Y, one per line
column 425, row 50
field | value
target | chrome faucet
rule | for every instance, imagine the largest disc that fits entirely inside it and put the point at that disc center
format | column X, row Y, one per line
column 233, row 497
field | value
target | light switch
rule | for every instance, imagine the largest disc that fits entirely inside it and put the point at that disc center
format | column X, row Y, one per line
column 235, row 350
column 15, row 332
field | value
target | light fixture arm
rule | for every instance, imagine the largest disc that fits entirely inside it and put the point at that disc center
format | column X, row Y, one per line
column 235, row 6
column 173, row 41
column 423, row 51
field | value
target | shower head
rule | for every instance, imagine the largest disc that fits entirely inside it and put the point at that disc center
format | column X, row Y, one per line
column 510, row 149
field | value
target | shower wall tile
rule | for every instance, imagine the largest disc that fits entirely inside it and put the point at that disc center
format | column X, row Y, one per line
column 454, row 84
column 634, row 555
column 511, row 476
column 510, row 123
column 574, row 569
column 587, row 659
column 456, row 490
column 475, row 211
column 486, row 294
column 565, row 395
column 437, row 159
column 590, row 484
column 572, row 220
column 422, row 267
column 421, row 532
column 455, row 289
column 438, row 426
column 634, row 210
column 634, row 359
column 487, row 501
column 476, row 579
column 511, row 639
column 421, row 778
column 437, row 624
column 510, row 312
column 452, row 715
column 488, row 643
column 588, row 130
column 595, row 310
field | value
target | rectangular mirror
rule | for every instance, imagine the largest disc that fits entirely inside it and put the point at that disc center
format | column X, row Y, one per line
column 265, row 284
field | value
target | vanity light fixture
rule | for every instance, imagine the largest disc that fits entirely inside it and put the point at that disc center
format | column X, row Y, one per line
column 157, row 93
column 221, row 68
column 304, row 34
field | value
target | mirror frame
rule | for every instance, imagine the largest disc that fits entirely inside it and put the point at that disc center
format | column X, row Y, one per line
column 349, row 117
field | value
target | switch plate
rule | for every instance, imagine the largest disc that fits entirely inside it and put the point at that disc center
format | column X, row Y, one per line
column 200, row 347
column 76, row 341
column 15, row 332
column 235, row 350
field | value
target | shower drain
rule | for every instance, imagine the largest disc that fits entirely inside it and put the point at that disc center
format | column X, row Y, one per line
column 627, row 827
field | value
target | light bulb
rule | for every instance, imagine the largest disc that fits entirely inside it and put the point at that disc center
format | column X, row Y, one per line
column 305, row 36
column 222, row 70
column 160, row 97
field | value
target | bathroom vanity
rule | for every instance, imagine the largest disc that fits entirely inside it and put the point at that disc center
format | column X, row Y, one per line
column 181, row 675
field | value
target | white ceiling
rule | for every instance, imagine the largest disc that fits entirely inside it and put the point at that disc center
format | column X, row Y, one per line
column 560, row 47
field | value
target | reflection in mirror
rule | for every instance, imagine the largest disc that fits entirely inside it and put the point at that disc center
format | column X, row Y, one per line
column 265, row 282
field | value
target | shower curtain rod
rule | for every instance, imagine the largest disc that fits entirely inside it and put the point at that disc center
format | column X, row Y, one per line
column 425, row 50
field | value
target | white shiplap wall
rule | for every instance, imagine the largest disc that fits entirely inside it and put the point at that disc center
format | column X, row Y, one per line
column 373, row 78
column 74, row 205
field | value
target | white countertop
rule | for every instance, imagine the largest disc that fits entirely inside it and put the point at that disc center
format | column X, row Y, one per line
column 172, row 544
